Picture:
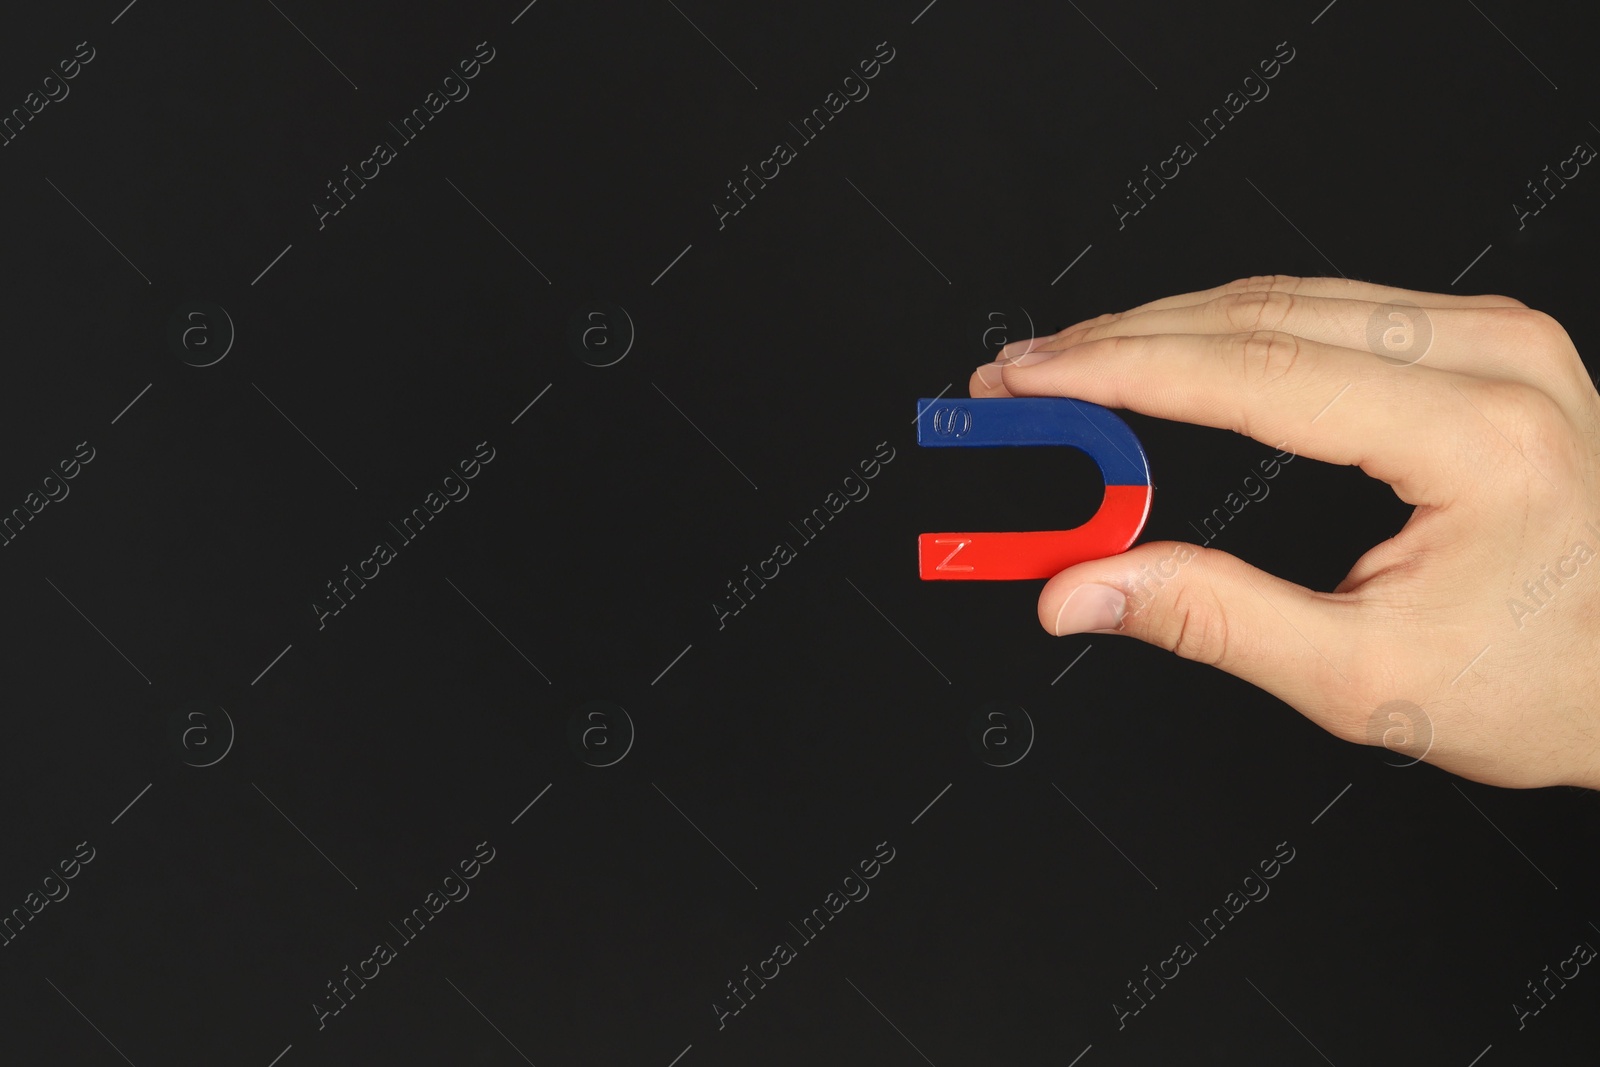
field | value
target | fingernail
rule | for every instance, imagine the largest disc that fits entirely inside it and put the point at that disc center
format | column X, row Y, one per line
column 991, row 374
column 1091, row 607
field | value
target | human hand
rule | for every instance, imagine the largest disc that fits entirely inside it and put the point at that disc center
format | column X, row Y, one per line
column 1483, row 611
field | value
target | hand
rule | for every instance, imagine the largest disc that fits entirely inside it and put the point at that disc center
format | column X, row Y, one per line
column 1471, row 638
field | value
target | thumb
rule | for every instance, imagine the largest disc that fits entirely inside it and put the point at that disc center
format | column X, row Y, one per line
column 1214, row 608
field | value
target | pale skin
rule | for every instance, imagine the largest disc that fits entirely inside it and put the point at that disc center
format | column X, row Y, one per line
column 1493, row 436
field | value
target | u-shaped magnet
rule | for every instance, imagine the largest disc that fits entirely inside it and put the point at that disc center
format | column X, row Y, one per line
column 1050, row 420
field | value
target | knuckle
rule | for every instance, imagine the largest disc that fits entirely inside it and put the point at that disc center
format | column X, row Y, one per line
column 1532, row 423
column 1118, row 348
column 1262, row 283
column 1266, row 357
column 1537, row 342
column 1083, row 331
column 1521, row 410
column 1539, row 332
column 1506, row 301
column 1257, row 310
column 1197, row 626
column 1101, row 320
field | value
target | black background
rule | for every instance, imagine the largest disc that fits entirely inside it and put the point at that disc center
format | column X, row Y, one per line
column 807, row 730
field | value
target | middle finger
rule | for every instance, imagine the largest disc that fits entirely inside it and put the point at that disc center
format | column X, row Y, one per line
column 1460, row 339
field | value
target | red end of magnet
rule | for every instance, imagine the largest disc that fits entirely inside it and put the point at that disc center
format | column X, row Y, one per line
column 1037, row 553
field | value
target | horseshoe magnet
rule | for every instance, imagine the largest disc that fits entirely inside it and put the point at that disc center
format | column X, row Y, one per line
column 1001, row 421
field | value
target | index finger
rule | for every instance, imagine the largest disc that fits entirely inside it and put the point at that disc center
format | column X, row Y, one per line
column 1275, row 387
column 1338, row 288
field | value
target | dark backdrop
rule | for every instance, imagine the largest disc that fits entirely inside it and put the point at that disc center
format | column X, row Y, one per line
column 542, row 675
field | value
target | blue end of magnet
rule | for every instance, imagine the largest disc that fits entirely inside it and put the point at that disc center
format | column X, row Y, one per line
column 1036, row 420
